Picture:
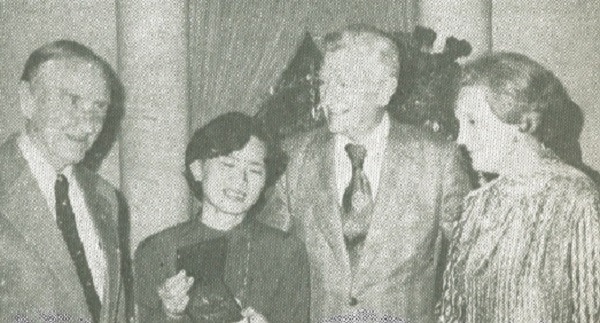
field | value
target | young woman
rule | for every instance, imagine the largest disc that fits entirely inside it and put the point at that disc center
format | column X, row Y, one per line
column 527, row 248
column 228, row 162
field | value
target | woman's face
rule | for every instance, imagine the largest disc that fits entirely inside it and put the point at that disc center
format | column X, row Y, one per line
column 487, row 139
column 233, row 183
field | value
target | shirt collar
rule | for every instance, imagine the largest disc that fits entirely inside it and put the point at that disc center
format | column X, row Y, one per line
column 42, row 171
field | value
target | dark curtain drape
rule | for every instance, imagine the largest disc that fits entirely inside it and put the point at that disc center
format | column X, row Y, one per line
column 238, row 49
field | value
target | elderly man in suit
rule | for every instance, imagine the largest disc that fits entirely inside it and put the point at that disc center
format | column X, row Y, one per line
column 373, row 199
column 60, row 256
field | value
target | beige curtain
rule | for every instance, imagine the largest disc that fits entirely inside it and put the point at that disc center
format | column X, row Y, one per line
column 389, row 15
column 239, row 48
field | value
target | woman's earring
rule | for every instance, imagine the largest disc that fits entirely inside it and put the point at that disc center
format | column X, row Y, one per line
column 525, row 125
column 530, row 122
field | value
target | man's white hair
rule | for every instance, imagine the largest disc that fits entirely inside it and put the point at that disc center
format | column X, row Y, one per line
column 366, row 40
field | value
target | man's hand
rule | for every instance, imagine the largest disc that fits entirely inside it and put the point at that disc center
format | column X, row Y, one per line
column 174, row 294
column 252, row 316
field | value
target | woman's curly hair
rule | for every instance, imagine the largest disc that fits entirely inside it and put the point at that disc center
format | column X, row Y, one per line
column 518, row 86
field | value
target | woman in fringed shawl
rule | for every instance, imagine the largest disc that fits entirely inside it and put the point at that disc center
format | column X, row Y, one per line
column 527, row 248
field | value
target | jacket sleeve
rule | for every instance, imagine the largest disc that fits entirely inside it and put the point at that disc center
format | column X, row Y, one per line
column 276, row 213
column 292, row 300
column 151, row 269
column 20, row 279
column 456, row 184
column 279, row 198
column 584, row 261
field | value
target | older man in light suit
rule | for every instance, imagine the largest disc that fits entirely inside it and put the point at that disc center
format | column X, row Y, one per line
column 373, row 199
column 60, row 256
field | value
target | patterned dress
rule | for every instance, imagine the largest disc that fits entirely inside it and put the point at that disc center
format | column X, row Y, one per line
column 527, row 249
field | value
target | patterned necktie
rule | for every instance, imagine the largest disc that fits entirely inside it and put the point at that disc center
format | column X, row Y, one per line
column 65, row 218
column 357, row 201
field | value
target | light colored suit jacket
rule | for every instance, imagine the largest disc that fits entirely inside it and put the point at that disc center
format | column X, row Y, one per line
column 38, row 279
column 423, row 181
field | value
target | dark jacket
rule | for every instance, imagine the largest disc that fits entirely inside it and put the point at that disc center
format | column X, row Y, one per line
column 277, row 282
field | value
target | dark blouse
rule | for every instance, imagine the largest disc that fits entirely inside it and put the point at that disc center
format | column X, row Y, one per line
column 277, row 284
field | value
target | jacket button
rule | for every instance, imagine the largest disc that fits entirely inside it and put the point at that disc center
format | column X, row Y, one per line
column 353, row 301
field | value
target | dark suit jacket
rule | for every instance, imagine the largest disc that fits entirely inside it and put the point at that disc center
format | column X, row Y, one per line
column 38, row 279
column 423, row 181
column 277, row 282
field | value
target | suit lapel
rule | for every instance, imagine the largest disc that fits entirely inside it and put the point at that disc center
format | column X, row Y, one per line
column 28, row 210
column 396, row 174
column 100, row 209
column 320, row 202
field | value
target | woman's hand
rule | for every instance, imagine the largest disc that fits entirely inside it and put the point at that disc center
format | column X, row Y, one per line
column 174, row 294
column 252, row 316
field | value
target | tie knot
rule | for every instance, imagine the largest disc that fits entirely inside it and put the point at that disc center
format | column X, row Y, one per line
column 61, row 187
column 357, row 154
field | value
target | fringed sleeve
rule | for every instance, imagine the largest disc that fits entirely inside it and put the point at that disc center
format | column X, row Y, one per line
column 526, row 250
column 585, row 261
column 452, row 306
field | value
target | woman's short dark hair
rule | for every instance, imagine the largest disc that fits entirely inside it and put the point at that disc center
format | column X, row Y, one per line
column 519, row 86
column 225, row 134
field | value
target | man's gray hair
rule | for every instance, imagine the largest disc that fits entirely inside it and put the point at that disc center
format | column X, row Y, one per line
column 62, row 49
column 368, row 37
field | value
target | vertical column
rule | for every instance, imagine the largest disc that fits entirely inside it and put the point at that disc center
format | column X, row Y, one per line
column 152, row 54
column 464, row 19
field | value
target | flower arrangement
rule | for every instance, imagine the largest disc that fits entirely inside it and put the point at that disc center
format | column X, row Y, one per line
column 425, row 92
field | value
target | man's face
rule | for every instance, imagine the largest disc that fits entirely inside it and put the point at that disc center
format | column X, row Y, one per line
column 233, row 183
column 355, row 88
column 66, row 104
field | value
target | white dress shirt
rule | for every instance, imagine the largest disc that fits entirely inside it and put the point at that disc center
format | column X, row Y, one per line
column 375, row 144
column 45, row 176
